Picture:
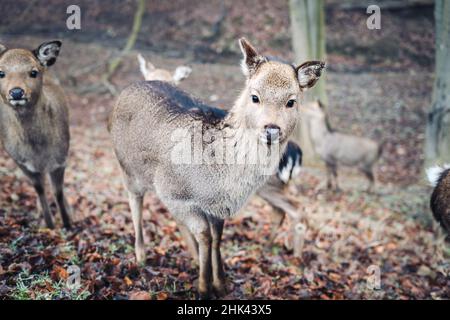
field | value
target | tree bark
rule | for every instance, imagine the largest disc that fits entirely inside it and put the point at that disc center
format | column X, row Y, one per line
column 308, row 40
column 437, row 146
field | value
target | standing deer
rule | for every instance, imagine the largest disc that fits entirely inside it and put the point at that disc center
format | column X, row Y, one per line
column 337, row 148
column 151, row 73
column 274, row 190
column 144, row 124
column 34, row 121
column 439, row 177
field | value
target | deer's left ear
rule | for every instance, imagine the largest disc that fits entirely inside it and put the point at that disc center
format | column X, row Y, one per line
column 47, row 52
column 309, row 73
column 2, row 48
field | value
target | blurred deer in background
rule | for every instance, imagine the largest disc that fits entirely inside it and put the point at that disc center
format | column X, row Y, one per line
column 439, row 177
column 274, row 190
column 151, row 73
column 200, row 197
column 337, row 148
column 34, row 121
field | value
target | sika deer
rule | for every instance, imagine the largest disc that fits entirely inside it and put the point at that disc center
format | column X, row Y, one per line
column 337, row 148
column 273, row 191
column 439, row 177
column 151, row 73
column 34, row 121
column 154, row 129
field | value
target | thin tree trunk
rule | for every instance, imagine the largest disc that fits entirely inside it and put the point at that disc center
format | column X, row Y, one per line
column 437, row 147
column 308, row 40
column 115, row 62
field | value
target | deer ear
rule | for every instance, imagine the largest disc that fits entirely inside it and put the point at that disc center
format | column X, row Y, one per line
column 252, row 59
column 309, row 73
column 2, row 48
column 47, row 52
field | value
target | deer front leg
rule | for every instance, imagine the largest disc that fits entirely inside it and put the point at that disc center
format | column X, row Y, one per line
column 38, row 181
column 135, row 202
column 198, row 224
column 57, row 179
column 218, row 273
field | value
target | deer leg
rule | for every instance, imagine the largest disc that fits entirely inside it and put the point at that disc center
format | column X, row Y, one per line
column 57, row 179
column 135, row 202
column 191, row 243
column 38, row 181
column 370, row 176
column 218, row 273
column 281, row 206
column 335, row 177
column 198, row 225
column 329, row 176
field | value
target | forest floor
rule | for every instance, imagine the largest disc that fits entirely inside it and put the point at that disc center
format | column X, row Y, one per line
column 351, row 236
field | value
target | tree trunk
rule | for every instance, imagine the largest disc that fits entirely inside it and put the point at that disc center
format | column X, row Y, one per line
column 308, row 40
column 437, row 147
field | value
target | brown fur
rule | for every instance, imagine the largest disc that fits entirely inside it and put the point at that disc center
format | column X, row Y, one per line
column 35, row 129
column 440, row 201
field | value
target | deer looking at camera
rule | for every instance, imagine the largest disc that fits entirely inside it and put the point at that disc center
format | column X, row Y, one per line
column 151, row 73
column 274, row 190
column 336, row 148
column 34, row 121
column 149, row 117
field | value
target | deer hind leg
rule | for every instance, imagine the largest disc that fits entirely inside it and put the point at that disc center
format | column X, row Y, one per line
column 370, row 176
column 332, row 176
column 191, row 243
column 57, row 179
column 218, row 273
column 38, row 181
column 136, row 201
column 280, row 207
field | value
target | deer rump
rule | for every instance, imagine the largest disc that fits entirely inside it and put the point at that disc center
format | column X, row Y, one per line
column 142, row 133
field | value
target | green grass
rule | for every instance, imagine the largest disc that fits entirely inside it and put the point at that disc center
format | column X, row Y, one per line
column 42, row 287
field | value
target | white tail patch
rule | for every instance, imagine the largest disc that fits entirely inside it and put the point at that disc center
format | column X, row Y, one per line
column 143, row 66
column 181, row 73
column 434, row 173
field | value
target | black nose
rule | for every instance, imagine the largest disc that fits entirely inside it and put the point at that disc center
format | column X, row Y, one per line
column 16, row 93
column 272, row 132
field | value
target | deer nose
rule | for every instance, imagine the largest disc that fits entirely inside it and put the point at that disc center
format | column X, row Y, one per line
column 16, row 93
column 272, row 132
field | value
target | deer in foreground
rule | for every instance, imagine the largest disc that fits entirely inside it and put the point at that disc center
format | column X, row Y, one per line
column 200, row 196
column 151, row 73
column 34, row 121
column 439, row 177
column 273, row 191
column 337, row 148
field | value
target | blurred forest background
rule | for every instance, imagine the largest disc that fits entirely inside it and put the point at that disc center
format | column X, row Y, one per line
column 379, row 84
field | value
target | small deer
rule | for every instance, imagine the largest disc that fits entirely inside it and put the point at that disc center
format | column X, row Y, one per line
column 144, row 124
column 337, row 148
column 151, row 73
column 439, row 177
column 34, row 121
column 274, row 190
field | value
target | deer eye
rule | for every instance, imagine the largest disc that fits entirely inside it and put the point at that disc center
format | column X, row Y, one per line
column 255, row 99
column 34, row 74
column 290, row 103
column 2, row 74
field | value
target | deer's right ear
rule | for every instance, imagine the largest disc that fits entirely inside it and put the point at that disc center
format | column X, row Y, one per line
column 252, row 59
column 2, row 48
